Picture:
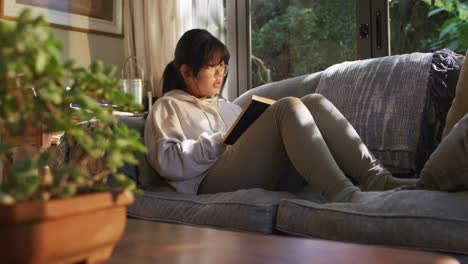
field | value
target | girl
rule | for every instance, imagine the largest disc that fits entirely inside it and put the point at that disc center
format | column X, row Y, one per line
column 184, row 134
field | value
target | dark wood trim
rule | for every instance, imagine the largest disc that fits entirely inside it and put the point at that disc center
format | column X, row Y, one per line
column 380, row 28
column 374, row 15
column 363, row 22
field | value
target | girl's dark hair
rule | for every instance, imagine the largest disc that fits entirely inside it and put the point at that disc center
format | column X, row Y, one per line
column 195, row 49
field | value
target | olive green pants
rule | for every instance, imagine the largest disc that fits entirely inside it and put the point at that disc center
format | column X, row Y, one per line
column 313, row 136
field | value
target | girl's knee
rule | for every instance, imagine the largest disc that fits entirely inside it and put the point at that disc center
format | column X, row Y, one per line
column 288, row 105
column 315, row 97
column 316, row 102
column 288, row 102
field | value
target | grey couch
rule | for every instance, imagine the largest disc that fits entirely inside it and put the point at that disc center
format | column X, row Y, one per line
column 418, row 219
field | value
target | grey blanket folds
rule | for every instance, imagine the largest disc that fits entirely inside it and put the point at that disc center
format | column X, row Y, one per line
column 384, row 100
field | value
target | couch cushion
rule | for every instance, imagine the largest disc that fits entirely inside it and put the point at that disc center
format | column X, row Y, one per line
column 247, row 210
column 420, row 219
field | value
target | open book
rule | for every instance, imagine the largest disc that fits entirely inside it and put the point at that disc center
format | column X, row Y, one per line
column 252, row 110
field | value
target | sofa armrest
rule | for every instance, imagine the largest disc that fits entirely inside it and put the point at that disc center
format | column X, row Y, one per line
column 297, row 87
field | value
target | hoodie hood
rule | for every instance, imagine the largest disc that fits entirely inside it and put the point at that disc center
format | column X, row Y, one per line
column 219, row 113
column 186, row 97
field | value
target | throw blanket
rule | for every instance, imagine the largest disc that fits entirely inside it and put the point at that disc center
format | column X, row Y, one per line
column 384, row 100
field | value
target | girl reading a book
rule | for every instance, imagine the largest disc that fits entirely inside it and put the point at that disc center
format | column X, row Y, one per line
column 184, row 134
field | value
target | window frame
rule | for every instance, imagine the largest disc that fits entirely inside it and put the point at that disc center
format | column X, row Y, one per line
column 375, row 15
column 238, row 42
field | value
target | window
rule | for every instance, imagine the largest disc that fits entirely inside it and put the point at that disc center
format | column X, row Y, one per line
column 219, row 18
column 272, row 40
column 292, row 38
column 210, row 15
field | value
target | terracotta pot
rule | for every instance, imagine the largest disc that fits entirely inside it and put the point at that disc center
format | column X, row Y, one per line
column 84, row 228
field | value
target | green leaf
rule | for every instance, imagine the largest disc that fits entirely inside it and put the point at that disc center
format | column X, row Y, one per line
column 97, row 67
column 68, row 191
column 29, row 48
column 445, row 30
column 453, row 45
column 41, row 61
column 138, row 191
column 77, row 175
column 52, row 93
column 44, row 157
column 435, row 11
column 120, row 179
column 6, row 147
column 462, row 32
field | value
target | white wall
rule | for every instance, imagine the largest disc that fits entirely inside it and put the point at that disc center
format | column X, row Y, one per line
column 87, row 47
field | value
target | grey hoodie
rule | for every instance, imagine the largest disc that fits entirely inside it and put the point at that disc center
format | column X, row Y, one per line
column 184, row 136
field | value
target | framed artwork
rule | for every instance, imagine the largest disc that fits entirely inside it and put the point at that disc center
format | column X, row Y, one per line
column 92, row 16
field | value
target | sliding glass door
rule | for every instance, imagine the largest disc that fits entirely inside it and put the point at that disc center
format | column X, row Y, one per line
column 272, row 40
column 292, row 38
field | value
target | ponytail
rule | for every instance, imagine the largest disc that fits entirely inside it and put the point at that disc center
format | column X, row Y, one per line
column 172, row 79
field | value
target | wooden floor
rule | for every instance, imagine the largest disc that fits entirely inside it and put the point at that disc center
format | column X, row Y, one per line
column 152, row 242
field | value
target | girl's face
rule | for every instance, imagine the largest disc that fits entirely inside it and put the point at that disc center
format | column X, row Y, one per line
column 209, row 79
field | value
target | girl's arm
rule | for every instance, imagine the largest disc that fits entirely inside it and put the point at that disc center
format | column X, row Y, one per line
column 172, row 154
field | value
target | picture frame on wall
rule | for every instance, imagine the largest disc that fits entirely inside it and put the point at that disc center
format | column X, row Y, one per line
column 102, row 17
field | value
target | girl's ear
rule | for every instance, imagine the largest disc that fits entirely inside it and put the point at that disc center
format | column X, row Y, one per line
column 186, row 71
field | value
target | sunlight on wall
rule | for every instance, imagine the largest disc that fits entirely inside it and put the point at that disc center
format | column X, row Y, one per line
column 85, row 48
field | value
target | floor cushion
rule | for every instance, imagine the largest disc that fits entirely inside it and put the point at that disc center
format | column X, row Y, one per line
column 251, row 210
column 420, row 219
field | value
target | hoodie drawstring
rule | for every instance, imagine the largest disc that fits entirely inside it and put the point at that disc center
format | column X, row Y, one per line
column 222, row 118
column 206, row 115
column 181, row 95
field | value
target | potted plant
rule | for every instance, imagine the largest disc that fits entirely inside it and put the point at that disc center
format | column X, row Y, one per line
column 59, row 211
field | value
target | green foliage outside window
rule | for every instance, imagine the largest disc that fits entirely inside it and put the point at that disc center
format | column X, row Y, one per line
column 426, row 25
column 453, row 33
column 295, row 37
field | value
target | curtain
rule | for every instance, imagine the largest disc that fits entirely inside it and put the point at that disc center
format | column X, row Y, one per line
column 153, row 27
column 151, row 30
